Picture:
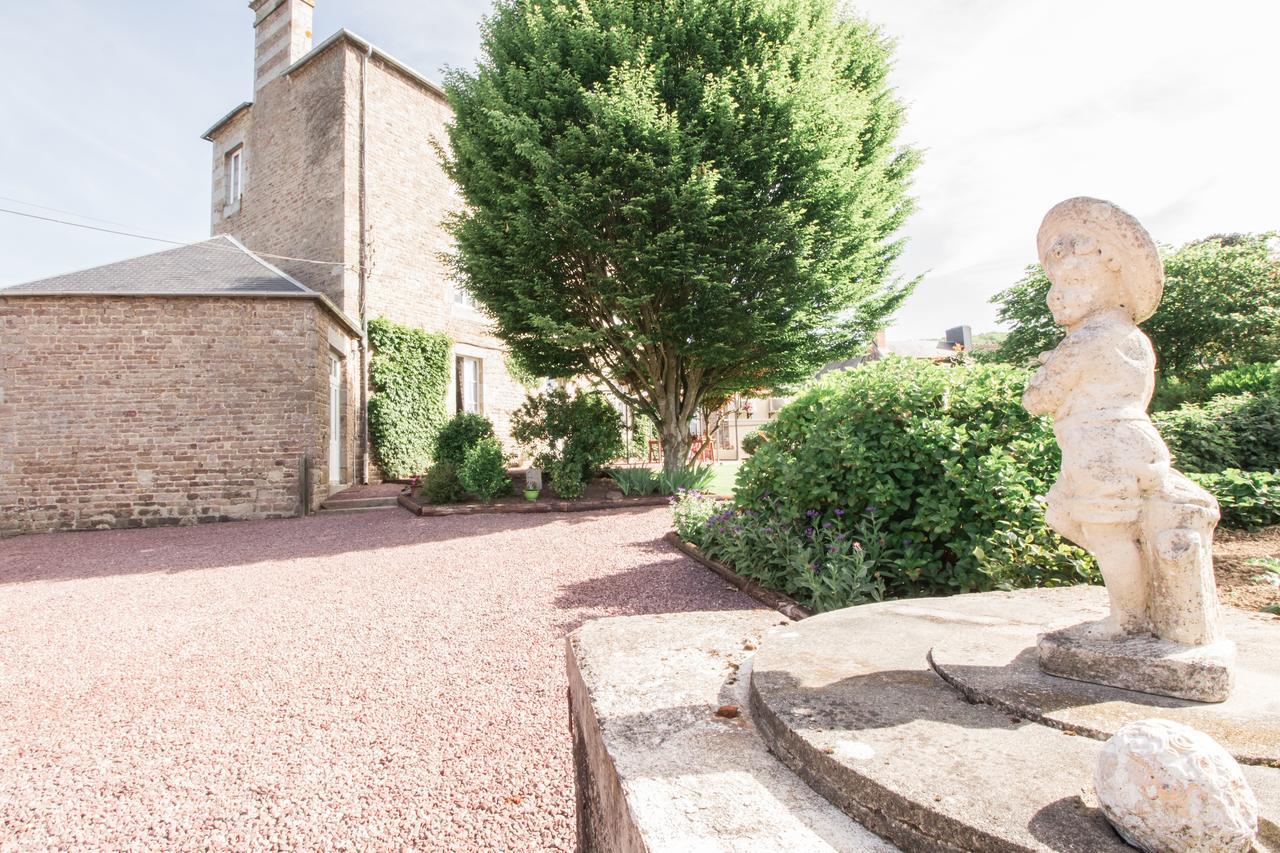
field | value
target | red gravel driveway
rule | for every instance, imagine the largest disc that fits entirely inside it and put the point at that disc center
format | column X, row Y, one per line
column 362, row 681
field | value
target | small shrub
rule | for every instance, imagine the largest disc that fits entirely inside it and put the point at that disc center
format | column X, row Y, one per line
column 440, row 485
column 752, row 441
column 635, row 481
column 581, row 430
column 484, row 472
column 690, row 512
column 566, row 479
column 693, row 477
column 1249, row 499
column 464, row 432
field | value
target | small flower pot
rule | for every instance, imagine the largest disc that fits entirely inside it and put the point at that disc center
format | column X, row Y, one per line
column 531, row 494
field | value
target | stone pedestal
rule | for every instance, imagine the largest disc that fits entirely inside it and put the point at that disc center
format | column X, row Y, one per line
column 1086, row 652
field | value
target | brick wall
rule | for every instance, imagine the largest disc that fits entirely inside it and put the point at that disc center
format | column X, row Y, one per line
column 141, row 411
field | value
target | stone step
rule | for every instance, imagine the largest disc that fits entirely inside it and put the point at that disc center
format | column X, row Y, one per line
column 331, row 510
column 338, row 502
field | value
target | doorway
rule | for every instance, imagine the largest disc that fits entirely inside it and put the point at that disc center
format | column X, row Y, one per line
column 335, row 420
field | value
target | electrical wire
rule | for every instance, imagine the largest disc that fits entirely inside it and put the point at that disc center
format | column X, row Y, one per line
column 162, row 239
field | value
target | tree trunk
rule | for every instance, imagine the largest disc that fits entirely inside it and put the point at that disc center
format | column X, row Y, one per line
column 676, row 442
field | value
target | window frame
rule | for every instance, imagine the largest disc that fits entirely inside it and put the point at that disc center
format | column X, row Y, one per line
column 234, row 175
column 462, row 386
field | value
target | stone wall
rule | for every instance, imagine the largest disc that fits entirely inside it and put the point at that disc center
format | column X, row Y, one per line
column 409, row 196
column 302, row 199
column 294, row 158
column 142, row 411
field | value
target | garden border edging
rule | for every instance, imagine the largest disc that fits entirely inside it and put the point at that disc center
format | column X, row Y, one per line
column 788, row 607
column 417, row 508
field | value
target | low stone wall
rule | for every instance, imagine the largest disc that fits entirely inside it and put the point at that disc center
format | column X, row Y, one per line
column 146, row 411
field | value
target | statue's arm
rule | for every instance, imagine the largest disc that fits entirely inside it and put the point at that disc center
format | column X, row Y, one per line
column 1049, row 386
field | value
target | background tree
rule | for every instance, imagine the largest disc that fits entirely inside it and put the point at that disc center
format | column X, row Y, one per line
column 682, row 199
column 1221, row 309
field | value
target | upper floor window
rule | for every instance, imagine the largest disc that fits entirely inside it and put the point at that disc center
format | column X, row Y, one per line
column 235, row 175
column 464, row 299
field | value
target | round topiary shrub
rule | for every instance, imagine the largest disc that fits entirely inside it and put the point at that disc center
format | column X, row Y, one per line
column 943, row 460
column 484, row 471
column 461, row 434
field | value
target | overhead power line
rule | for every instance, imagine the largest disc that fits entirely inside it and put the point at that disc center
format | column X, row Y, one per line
column 164, row 239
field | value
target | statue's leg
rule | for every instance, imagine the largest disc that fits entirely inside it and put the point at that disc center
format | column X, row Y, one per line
column 1120, row 558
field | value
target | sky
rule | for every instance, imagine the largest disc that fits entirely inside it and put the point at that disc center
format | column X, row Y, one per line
column 1166, row 107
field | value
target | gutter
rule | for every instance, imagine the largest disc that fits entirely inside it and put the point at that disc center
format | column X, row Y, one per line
column 364, row 268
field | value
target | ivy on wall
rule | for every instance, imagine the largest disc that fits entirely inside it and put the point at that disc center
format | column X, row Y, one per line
column 409, row 380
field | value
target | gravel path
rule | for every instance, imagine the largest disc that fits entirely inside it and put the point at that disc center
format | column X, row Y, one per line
column 364, row 681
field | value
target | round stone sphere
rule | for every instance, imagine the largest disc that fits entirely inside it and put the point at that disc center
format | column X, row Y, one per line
column 1167, row 787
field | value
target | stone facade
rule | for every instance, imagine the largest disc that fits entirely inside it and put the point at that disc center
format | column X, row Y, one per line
column 346, row 123
column 127, row 411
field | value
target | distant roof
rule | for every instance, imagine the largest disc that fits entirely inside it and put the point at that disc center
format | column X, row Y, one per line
column 221, row 266
column 341, row 35
column 918, row 348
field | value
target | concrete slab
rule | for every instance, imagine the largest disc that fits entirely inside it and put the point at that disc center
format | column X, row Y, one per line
column 849, row 701
column 665, row 754
column 998, row 666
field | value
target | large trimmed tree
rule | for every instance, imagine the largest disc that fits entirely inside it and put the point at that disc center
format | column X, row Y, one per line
column 682, row 199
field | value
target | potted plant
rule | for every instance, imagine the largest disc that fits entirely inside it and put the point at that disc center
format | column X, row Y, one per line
column 531, row 494
column 532, row 484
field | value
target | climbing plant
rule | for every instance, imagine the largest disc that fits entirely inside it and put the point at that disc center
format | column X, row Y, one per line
column 409, row 380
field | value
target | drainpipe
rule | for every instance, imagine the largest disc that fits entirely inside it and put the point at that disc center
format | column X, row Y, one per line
column 364, row 275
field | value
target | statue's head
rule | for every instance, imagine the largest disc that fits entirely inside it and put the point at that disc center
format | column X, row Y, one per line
column 1098, row 258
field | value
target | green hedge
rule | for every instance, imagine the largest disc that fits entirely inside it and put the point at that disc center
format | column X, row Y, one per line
column 1225, row 432
column 1249, row 499
column 409, row 380
column 943, row 461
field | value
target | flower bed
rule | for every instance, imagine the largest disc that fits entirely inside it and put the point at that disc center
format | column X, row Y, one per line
column 600, row 493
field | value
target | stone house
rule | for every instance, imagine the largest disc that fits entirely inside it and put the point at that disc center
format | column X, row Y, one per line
column 228, row 379
column 335, row 159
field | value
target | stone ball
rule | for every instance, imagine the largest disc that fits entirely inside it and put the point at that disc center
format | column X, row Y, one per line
column 1167, row 787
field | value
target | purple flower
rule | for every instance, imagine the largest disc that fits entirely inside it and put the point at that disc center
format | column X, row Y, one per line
column 839, row 512
column 768, row 530
column 811, row 513
column 826, row 525
column 808, row 531
column 871, row 509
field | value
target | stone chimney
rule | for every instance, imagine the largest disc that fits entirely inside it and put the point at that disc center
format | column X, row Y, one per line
column 281, row 34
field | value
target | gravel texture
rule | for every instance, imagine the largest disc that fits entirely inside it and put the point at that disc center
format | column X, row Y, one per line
column 364, row 681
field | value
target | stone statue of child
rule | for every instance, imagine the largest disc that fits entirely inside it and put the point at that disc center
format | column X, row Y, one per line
column 1117, row 496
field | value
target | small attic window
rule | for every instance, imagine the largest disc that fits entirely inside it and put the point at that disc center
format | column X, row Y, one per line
column 235, row 175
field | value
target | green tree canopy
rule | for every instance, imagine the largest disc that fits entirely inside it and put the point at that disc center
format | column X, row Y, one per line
column 682, row 199
column 1221, row 309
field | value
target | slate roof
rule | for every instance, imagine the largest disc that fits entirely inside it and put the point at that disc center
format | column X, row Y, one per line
column 221, row 266
column 217, row 267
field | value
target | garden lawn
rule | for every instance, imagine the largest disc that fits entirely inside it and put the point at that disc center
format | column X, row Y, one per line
column 724, row 480
column 363, row 681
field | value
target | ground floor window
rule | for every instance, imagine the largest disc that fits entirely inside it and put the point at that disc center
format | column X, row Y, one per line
column 469, row 380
